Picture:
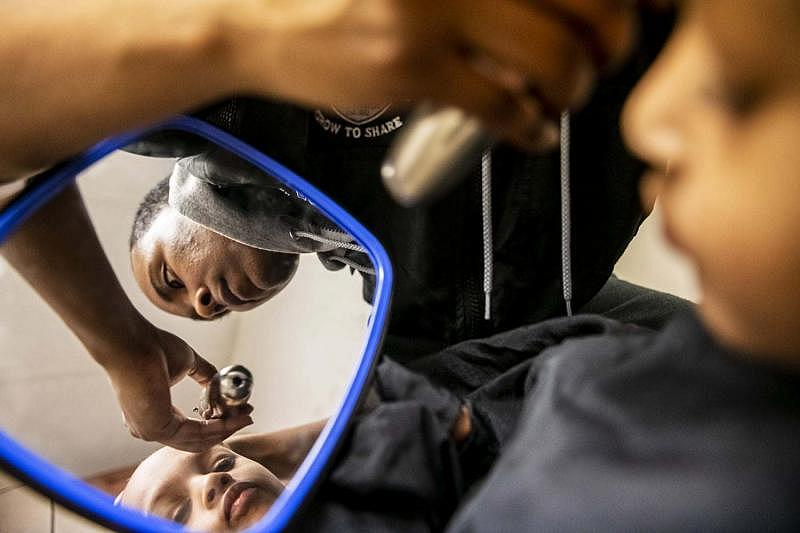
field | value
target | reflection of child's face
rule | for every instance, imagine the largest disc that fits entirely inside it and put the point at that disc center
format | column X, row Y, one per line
column 216, row 490
column 720, row 110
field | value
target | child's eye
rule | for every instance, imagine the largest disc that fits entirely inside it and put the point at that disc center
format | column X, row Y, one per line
column 171, row 279
column 182, row 512
column 737, row 99
column 224, row 464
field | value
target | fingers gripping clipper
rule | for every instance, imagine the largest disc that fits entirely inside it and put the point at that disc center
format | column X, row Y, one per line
column 230, row 388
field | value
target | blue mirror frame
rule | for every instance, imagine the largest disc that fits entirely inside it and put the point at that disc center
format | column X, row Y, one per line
column 73, row 493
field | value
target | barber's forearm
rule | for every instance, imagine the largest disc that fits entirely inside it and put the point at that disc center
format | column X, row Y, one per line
column 280, row 451
column 58, row 253
column 75, row 72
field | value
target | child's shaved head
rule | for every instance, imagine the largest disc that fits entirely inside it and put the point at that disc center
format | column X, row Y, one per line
column 217, row 490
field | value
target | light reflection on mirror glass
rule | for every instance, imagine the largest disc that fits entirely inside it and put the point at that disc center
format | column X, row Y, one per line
column 243, row 269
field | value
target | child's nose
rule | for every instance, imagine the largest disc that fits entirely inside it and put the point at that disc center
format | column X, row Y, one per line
column 649, row 133
column 651, row 119
column 215, row 486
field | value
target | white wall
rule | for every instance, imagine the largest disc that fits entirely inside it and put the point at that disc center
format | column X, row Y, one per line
column 650, row 261
column 303, row 345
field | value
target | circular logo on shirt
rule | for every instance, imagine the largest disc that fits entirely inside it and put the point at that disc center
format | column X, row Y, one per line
column 360, row 115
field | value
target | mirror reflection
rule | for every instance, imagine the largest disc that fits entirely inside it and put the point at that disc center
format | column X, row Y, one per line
column 244, row 269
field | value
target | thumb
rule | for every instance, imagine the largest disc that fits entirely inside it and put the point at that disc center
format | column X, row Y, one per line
column 201, row 371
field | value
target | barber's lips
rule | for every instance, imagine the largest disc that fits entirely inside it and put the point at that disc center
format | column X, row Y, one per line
column 231, row 300
column 238, row 501
column 282, row 267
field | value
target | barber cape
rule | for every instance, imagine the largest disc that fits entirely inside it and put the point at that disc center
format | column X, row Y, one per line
column 579, row 424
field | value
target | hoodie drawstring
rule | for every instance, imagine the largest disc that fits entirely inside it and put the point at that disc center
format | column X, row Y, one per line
column 335, row 238
column 353, row 264
column 339, row 239
column 566, row 222
column 488, row 245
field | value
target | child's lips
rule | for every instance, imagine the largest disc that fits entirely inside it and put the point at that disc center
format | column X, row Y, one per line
column 650, row 185
column 238, row 501
column 242, row 504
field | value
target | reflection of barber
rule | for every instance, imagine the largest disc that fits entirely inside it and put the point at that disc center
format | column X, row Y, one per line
column 220, row 236
column 63, row 89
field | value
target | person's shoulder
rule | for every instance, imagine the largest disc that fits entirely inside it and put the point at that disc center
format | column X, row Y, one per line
column 583, row 327
column 592, row 344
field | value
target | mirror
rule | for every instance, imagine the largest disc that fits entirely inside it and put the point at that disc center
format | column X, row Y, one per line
column 212, row 246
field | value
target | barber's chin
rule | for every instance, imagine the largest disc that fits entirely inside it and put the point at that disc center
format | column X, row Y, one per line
column 280, row 272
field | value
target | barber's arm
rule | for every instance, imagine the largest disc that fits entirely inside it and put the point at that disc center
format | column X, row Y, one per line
column 74, row 72
column 59, row 255
column 280, row 451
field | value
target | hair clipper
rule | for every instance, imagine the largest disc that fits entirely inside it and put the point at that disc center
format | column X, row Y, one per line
column 433, row 153
column 229, row 388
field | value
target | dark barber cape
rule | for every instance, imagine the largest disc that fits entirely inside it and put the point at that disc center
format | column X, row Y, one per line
column 437, row 249
column 399, row 470
column 598, row 426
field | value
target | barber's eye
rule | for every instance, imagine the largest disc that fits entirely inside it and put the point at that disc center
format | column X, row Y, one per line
column 183, row 512
column 171, row 279
column 224, row 464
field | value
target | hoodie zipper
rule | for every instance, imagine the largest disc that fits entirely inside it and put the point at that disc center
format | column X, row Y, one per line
column 473, row 299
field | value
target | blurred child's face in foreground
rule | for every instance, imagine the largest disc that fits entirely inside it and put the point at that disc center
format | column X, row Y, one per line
column 217, row 490
column 720, row 112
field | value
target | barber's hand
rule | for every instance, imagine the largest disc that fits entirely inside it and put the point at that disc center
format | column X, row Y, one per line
column 142, row 383
column 513, row 63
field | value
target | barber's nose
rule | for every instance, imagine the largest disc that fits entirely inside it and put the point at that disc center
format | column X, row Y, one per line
column 204, row 303
column 215, row 486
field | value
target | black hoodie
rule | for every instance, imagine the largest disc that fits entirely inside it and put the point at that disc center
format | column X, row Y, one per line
column 437, row 250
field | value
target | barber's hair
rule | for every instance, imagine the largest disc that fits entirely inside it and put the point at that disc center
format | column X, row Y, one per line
column 153, row 203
